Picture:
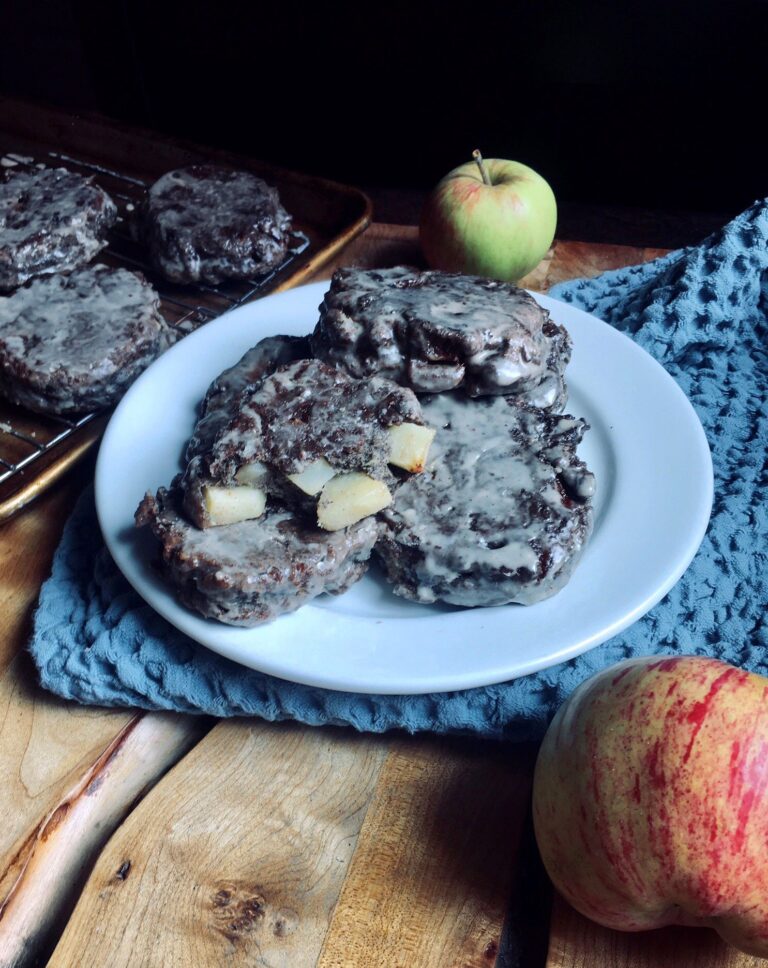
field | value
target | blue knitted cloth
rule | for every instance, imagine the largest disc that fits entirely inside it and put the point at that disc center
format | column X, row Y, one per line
column 701, row 312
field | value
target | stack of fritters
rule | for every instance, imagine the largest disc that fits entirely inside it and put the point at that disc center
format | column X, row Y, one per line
column 496, row 510
column 287, row 465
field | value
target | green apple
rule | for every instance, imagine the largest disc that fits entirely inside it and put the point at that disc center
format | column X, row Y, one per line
column 489, row 218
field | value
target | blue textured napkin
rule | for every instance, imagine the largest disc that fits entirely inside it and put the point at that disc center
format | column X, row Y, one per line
column 702, row 313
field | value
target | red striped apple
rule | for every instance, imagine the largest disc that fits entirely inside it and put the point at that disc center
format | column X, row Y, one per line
column 650, row 798
column 489, row 217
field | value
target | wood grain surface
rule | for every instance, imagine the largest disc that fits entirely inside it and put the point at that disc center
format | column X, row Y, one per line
column 44, row 873
column 61, row 795
column 27, row 544
column 431, row 874
column 576, row 942
column 384, row 244
column 237, row 856
column 259, row 844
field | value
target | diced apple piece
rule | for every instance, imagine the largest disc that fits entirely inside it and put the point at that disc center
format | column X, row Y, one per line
column 251, row 474
column 409, row 445
column 348, row 498
column 314, row 477
column 228, row 505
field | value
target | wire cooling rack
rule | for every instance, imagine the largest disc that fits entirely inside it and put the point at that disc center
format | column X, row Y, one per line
column 35, row 449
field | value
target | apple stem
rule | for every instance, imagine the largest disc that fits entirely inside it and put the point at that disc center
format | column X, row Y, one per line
column 481, row 165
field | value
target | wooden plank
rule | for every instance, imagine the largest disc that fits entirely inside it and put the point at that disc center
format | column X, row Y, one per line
column 380, row 245
column 238, row 855
column 384, row 245
column 389, row 245
column 46, row 745
column 27, row 544
column 42, row 877
column 430, row 879
column 51, row 822
column 538, row 278
column 576, row 259
column 576, row 942
column 650, row 253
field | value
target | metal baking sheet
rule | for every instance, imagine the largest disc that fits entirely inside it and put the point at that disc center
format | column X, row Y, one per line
column 36, row 450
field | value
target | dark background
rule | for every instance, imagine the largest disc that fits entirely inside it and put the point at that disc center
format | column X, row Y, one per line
column 659, row 106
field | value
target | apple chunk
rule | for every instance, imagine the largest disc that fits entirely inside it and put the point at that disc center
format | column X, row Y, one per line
column 228, row 505
column 251, row 474
column 348, row 498
column 314, row 477
column 409, row 445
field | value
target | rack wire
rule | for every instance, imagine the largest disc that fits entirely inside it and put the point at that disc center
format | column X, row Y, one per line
column 29, row 441
column 63, row 429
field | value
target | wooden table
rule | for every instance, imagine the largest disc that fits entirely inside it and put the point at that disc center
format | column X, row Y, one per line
column 160, row 839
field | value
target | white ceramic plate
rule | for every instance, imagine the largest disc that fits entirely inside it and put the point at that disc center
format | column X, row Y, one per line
column 646, row 447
